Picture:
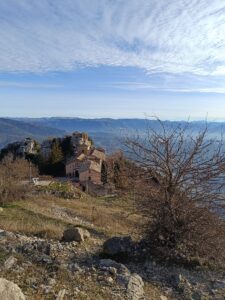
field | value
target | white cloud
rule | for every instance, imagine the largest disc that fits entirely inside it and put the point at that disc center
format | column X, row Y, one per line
column 156, row 35
column 134, row 86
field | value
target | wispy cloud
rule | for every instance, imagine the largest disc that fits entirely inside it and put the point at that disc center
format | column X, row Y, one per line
column 28, row 85
column 135, row 86
column 156, row 35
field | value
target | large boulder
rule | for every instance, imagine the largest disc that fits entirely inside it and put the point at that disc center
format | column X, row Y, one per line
column 118, row 246
column 76, row 234
column 10, row 290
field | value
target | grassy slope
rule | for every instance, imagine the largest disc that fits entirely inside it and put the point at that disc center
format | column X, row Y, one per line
column 109, row 217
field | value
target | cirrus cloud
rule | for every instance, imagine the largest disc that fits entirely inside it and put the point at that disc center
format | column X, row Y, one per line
column 157, row 35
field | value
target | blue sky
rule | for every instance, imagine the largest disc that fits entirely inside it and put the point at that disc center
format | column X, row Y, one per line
column 120, row 58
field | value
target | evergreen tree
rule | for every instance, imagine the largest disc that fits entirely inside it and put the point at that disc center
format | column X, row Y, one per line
column 56, row 163
column 56, row 154
column 104, row 172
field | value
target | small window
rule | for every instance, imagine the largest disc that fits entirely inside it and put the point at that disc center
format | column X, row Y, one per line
column 89, row 178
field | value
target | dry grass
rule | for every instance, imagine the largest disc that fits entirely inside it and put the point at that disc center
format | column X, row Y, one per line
column 18, row 219
column 111, row 216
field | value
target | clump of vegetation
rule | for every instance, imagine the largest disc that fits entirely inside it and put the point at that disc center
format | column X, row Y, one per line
column 63, row 190
column 180, row 190
column 120, row 170
column 14, row 178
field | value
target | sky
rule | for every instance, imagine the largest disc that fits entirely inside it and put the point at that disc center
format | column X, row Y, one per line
column 112, row 58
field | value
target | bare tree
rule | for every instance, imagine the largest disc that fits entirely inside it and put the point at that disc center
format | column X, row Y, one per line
column 181, row 189
column 12, row 174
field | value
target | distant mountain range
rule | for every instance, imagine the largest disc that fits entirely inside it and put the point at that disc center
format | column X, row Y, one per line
column 105, row 132
column 15, row 130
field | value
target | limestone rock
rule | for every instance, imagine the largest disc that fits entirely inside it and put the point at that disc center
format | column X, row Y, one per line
column 75, row 234
column 134, row 285
column 10, row 290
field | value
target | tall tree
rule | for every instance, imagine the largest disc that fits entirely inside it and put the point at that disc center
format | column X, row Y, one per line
column 56, row 153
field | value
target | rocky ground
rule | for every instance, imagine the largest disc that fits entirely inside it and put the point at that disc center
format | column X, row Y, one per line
column 82, row 265
column 46, row 269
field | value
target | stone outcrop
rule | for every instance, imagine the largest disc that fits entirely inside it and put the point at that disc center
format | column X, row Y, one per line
column 10, row 291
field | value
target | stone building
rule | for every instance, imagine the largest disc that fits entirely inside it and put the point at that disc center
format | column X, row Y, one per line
column 90, row 171
column 86, row 166
column 73, row 165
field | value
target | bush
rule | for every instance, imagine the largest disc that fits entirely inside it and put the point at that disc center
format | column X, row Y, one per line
column 180, row 189
column 64, row 190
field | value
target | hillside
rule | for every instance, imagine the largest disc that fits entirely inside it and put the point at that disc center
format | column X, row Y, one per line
column 15, row 130
column 45, row 267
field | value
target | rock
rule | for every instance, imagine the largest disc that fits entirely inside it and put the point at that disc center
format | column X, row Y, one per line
column 133, row 284
column 2, row 233
column 1, row 209
column 183, row 286
column 118, row 246
column 51, row 281
column 110, row 264
column 219, row 284
column 196, row 295
column 112, row 271
column 10, row 290
column 46, row 288
column 75, row 234
column 61, row 294
column 10, row 235
column 109, row 279
column 74, row 268
column 30, row 248
column 163, row 297
column 10, row 262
